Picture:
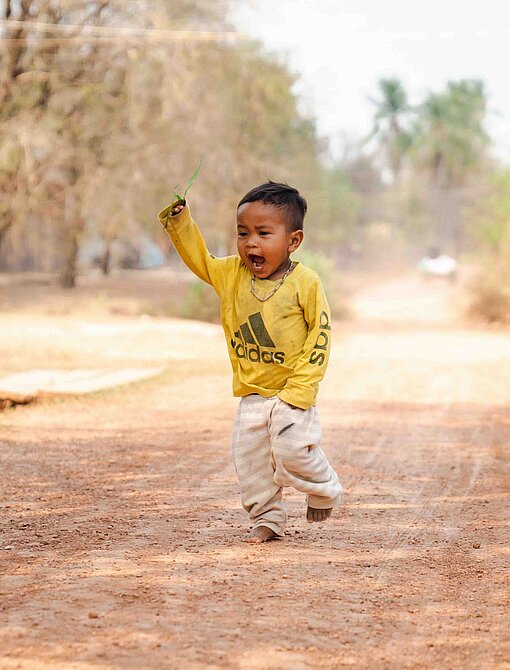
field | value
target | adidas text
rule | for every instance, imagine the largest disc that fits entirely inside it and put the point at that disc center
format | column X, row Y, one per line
column 317, row 357
column 257, row 355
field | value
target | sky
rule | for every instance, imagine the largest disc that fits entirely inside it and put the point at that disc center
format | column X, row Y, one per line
column 341, row 48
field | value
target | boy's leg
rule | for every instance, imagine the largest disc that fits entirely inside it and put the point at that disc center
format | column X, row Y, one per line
column 299, row 460
column 251, row 450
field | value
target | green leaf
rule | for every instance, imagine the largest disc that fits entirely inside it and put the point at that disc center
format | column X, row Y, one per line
column 191, row 180
column 176, row 198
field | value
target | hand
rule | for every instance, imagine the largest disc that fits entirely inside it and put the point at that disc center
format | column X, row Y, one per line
column 288, row 404
column 177, row 208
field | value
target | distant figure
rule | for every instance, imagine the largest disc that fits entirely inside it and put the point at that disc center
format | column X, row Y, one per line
column 436, row 264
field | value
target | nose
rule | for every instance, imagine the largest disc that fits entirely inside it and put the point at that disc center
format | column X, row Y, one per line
column 251, row 243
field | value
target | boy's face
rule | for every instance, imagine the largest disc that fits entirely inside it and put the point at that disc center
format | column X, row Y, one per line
column 263, row 240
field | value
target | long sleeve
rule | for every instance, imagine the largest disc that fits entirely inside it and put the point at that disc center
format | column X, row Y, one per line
column 302, row 385
column 191, row 247
column 278, row 347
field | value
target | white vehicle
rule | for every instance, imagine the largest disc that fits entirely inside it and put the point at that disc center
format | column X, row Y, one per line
column 438, row 265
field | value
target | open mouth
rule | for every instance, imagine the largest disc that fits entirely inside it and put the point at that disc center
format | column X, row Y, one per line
column 256, row 261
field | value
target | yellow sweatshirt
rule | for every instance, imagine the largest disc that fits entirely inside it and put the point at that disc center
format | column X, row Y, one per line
column 279, row 347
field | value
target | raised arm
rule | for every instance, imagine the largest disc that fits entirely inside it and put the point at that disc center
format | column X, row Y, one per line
column 191, row 247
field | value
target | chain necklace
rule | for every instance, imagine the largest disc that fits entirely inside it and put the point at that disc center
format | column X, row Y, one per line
column 287, row 272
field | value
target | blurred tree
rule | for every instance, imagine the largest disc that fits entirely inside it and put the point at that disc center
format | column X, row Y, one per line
column 53, row 85
column 450, row 133
column 69, row 87
column 390, row 121
column 450, row 144
column 12, row 173
column 489, row 215
column 489, row 225
column 334, row 208
column 98, row 126
column 366, row 182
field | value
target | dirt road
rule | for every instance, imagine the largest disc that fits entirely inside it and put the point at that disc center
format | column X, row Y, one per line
column 121, row 525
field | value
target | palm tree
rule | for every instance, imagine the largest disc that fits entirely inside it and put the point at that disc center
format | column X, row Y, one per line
column 390, row 121
column 450, row 143
column 450, row 133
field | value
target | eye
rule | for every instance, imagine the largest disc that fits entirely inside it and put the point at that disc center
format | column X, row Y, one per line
column 241, row 233
column 263, row 233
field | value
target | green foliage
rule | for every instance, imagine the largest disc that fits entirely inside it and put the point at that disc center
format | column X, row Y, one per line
column 25, row 97
column 123, row 120
column 10, row 157
column 201, row 303
column 442, row 143
column 490, row 216
column 449, row 136
column 490, row 227
column 393, row 100
column 324, row 266
column 333, row 209
column 390, row 118
column 176, row 198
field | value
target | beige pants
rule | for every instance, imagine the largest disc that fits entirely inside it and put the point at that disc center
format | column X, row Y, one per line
column 276, row 445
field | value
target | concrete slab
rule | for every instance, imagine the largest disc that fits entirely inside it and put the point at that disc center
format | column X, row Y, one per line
column 25, row 386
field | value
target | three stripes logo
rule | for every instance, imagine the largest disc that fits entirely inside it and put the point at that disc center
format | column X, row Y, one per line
column 252, row 342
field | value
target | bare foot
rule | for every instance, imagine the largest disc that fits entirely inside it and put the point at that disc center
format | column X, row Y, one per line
column 261, row 534
column 317, row 515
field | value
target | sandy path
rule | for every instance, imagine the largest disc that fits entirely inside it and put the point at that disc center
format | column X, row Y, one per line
column 121, row 523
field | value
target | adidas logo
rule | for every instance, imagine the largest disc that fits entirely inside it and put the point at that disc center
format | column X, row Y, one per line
column 255, row 342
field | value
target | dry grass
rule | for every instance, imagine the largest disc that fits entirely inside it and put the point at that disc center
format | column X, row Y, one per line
column 490, row 297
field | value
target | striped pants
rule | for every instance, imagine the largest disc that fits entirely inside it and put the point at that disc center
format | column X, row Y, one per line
column 276, row 445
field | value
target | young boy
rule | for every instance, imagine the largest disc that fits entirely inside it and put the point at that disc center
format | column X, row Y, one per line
column 277, row 325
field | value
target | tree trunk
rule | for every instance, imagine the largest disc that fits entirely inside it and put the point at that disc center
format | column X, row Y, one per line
column 73, row 227
column 106, row 258
column 68, row 276
column 4, row 226
column 439, row 206
column 458, row 223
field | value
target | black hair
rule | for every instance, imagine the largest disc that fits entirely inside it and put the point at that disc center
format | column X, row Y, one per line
column 282, row 196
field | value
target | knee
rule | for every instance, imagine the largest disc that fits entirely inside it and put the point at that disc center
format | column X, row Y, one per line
column 290, row 456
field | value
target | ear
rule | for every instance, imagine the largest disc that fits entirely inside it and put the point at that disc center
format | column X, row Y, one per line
column 295, row 239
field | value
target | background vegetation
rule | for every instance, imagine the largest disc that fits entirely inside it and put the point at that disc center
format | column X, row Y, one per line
column 106, row 105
